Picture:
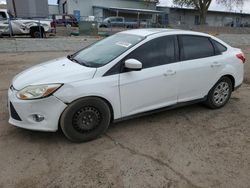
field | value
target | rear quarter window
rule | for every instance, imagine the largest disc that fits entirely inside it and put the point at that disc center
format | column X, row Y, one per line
column 219, row 48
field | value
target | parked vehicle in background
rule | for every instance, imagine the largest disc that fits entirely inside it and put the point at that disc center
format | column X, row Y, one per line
column 124, row 75
column 118, row 22
column 64, row 20
column 36, row 28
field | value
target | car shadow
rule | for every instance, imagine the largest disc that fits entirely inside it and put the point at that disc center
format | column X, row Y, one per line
column 154, row 116
column 58, row 136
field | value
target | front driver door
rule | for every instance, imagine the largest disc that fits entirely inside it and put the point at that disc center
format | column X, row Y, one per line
column 156, row 85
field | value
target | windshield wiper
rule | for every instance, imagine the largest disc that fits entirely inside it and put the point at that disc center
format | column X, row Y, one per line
column 75, row 60
column 70, row 57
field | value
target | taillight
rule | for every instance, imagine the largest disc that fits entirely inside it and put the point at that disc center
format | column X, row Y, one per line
column 241, row 57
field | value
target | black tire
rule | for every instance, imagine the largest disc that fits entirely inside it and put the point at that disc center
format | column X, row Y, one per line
column 85, row 119
column 36, row 34
column 214, row 101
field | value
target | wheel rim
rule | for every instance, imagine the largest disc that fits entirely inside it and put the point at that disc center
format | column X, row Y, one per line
column 221, row 93
column 86, row 119
column 37, row 35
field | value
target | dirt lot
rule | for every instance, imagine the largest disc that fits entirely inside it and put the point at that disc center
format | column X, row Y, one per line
column 186, row 147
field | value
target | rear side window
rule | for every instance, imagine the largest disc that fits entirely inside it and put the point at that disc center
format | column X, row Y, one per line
column 195, row 47
column 219, row 48
column 156, row 52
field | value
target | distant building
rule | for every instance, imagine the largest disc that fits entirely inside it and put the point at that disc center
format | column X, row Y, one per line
column 28, row 8
column 105, row 8
column 188, row 16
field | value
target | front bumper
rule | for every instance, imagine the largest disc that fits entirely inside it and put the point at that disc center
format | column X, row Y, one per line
column 22, row 112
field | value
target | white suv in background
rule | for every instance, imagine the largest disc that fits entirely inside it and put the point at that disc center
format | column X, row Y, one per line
column 124, row 75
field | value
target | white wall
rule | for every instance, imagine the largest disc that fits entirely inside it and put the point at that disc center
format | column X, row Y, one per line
column 86, row 6
column 213, row 18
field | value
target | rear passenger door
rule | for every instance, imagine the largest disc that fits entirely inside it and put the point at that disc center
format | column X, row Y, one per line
column 199, row 67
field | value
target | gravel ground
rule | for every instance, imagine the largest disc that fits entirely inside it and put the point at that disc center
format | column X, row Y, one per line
column 190, row 147
column 76, row 43
column 45, row 45
column 235, row 40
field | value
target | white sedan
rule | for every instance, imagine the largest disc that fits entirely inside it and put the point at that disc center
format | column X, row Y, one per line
column 122, row 76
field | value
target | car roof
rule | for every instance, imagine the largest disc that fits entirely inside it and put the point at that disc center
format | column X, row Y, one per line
column 153, row 31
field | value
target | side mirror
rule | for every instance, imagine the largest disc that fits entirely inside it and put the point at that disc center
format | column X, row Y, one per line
column 133, row 65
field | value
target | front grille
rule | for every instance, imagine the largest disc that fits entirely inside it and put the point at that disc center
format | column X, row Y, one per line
column 14, row 113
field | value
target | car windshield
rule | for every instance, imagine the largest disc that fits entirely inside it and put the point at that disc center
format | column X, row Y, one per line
column 106, row 50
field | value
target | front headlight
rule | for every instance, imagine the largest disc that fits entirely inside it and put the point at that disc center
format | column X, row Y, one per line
column 38, row 91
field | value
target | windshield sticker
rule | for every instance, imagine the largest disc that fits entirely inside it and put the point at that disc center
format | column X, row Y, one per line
column 123, row 44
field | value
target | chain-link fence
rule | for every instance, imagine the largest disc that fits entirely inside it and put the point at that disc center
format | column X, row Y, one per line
column 109, row 25
column 66, row 25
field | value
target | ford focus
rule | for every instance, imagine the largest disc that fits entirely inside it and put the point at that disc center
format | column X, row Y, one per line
column 125, row 75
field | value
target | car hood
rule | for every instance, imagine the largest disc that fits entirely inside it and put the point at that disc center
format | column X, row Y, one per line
column 60, row 70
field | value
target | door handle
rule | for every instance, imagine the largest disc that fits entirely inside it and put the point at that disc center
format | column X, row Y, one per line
column 169, row 73
column 215, row 64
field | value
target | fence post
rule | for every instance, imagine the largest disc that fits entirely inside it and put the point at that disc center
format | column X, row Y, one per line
column 40, row 32
column 110, row 28
column 10, row 26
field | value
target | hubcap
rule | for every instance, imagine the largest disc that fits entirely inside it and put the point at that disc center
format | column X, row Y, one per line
column 86, row 119
column 221, row 93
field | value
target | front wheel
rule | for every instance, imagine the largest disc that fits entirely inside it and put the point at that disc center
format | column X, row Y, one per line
column 85, row 119
column 37, row 34
column 219, row 95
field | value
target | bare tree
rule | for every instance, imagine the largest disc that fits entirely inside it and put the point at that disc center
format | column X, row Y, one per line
column 203, row 5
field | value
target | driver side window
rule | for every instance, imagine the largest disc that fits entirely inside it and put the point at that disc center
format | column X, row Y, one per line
column 159, row 51
column 3, row 16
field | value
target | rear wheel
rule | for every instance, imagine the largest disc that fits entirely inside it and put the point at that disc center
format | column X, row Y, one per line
column 220, row 93
column 85, row 119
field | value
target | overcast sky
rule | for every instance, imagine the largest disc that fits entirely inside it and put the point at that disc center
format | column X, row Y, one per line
column 214, row 6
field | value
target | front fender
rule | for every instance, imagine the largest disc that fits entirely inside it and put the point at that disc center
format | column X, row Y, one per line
column 74, row 91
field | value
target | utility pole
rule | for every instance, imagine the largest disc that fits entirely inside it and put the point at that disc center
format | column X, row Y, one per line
column 14, row 7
